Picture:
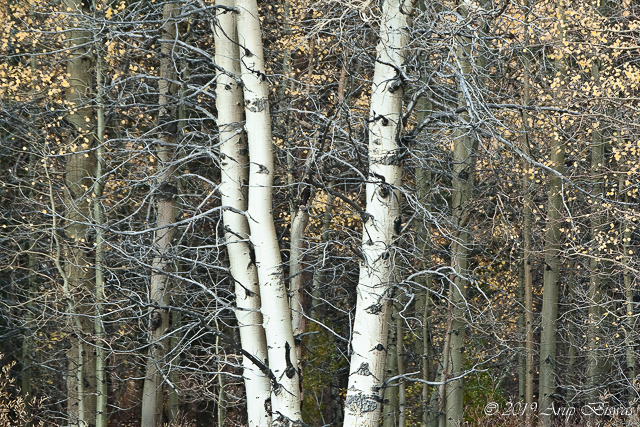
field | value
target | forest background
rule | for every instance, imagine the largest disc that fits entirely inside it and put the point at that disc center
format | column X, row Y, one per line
column 318, row 213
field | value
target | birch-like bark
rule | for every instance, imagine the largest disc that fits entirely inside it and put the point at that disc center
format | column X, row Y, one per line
column 423, row 302
column 549, row 314
column 296, row 284
column 571, row 377
column 98, row 218
column 464, row 155
column 152, row 395
column 402, row 395
column 390, row 407
column 595, row 296
column 235, row 176
column 377, row 272
column 285, row 398
column 630, row 326
column 79, row 174
column 527, row 182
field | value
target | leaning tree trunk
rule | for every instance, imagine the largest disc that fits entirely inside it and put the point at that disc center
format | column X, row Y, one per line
column 162, row 264
column 285, row 398
column 235, row 175
column 79, row 173
column 362, row 405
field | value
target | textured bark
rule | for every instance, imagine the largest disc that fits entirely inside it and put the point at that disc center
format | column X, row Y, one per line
column 423, row 302
column 152, row 395
column 630, row 321
column 285, row 398
column 296, row 285
column 233, row 189
column 402, row 396
column 464, row 155
column 521, row 332
column 571, row 377
column 377, row 273
column 98, row 218
column 527, row 233
column 549, row 314
column 595, row 363
column 390, row 407
column 79, row 174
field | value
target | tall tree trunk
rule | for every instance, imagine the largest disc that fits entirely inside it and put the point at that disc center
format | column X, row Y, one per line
column 595, row 296
column 527, row 232
column 464, row 155
column 233, row 189
column 79, row 174
column 423, row 302
column 630, row 326
column 162, row 264
column 549, row 314
column 98, row 218
column 285, row 398
column 376, row 269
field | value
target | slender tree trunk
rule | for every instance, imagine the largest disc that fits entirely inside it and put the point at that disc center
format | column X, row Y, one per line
column 152, row 395
column 235, row 175
column 296, row 260
column 173, row 400
column 285, row 399
column 423, row 303
column 572, row 355
column 630, row 324
column 79, row 174
column 318, row 275
column 402, row 395
column 527, row 232
column 549, row 314
column 390, row 407
column 522, row 385
column 376, row 269
column 595, row 296
column 98, row 217
column 464, row 156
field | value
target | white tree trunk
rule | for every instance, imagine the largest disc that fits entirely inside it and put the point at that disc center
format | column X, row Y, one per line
column 298, row 319
column 79, row 173
column 362, row 405
column 235, row 175
column 152, row 395
column 285, row 399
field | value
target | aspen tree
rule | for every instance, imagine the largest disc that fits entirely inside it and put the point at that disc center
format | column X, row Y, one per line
column 233, row 189
column 79, row 173
column 549, row 314
column 465, row 147
column 595, row 360
column 100, row 244
column 377, row 271
column 527, row 233
column 276, row 313
column 153, row 396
